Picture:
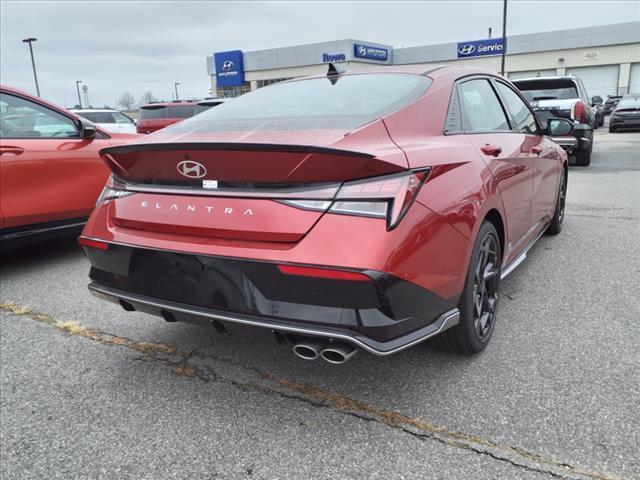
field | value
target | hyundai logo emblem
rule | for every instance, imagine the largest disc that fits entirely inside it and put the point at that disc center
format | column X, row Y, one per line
column 466, row 49
column 192, row 169
column 227, row 66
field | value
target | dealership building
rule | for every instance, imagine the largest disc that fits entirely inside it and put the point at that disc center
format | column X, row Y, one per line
column 606, row 58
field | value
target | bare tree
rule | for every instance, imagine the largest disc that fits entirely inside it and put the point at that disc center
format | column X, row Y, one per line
column 126, row 101
column 147, row 97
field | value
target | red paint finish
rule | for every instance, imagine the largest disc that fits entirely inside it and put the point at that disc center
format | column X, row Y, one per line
column 514, row 174
column 46, row 180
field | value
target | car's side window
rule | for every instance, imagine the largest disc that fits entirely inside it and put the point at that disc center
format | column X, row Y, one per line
column 120, row 118
column 22, row 118
column 522, row 115
column 482, row 111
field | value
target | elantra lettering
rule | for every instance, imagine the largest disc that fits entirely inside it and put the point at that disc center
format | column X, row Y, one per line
column 194, row 208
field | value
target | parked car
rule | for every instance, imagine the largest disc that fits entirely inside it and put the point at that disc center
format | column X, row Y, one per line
column 155, row 116
column 564, row 97
column 50, row 170
column 108, row 120
column 626, row 114
column 207, row 103
column 597, row 103
column 610, row 103
column 371, row 210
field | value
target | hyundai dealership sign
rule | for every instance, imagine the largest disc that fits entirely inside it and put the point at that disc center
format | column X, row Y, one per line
column 480, row 48
column 372, row 53
column 229, row 68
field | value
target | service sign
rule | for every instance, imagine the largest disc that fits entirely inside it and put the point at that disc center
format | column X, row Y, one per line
column 480, row 48
column 229, row 68
column 369, row 52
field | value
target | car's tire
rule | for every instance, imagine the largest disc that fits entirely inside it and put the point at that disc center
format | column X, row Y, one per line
column 583, row 157
column 477, row 320
column 612, row 130
column 555, row 226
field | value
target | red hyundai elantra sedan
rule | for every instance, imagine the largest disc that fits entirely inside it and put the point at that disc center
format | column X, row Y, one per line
column 367, row 210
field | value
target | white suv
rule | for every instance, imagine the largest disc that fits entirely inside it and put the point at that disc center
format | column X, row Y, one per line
column 110, row 120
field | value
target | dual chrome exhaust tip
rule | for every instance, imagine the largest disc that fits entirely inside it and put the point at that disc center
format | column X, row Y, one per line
column 332, row 352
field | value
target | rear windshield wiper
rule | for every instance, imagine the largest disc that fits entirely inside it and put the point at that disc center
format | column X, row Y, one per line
column 545, row 98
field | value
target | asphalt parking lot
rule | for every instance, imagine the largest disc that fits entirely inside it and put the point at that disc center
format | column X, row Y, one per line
column 90, row 391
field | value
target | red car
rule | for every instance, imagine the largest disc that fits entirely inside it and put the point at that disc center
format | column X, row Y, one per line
column 50, row 171
column 155, row 116
column 367, row 210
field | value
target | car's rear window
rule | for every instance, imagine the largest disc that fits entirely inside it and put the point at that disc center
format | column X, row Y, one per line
column 163, row 111
column 349, row 102
column 551, row 89
column 203, row 107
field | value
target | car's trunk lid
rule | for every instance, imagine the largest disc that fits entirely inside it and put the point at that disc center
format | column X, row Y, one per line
column 234, row 189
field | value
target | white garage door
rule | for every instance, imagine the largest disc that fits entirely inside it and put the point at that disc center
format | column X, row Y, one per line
column 601, row 81
column 634, row 82
column 532, row 73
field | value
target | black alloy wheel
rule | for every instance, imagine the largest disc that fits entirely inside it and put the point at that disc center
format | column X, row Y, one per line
column 556, row 222
column 479, row 299
column 485, row 287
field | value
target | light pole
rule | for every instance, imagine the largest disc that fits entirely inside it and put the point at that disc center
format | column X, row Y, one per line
column 504, row 36
column 175, row 85
column 78, row 82
column 33, row 62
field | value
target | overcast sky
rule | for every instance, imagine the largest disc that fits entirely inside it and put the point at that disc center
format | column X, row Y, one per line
column 120, row 46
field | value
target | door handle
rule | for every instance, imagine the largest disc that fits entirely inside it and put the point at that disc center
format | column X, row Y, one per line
column 536, row 149
column 489, row 149
column 6, row 149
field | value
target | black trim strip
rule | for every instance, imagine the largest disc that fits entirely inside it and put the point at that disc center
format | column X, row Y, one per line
column 40, row 228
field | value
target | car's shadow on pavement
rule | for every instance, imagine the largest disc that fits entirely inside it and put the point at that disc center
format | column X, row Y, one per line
column 14, row 256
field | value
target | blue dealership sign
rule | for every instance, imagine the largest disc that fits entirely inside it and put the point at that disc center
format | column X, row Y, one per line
column 369, row 52
column 229, row 68
column 480, row 48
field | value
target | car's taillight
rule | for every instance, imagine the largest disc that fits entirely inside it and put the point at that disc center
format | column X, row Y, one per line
column 91, row 243
column 112, row 191
column 387, row 197
column 327, row 273
column 579, row 112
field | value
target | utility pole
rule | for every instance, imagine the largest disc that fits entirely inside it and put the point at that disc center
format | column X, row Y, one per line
column 175, row 85
column 30, row 40
column 504, row 35
column 78, row 82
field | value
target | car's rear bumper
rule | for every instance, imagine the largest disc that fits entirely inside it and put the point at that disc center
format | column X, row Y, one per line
column 382, row 315
column 174, row 311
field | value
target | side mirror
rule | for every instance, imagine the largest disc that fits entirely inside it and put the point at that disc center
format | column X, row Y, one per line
column 558, row 127
column 87, row 130
column 596, row 100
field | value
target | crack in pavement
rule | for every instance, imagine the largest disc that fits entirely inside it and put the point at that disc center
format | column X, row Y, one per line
column 192, row 365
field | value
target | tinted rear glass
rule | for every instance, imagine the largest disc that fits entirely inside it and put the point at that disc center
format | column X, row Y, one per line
column 312, row 104
column 148, row 113
column 548, row 89
column 181, row 111
column 203, row 107
column 164, row 111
